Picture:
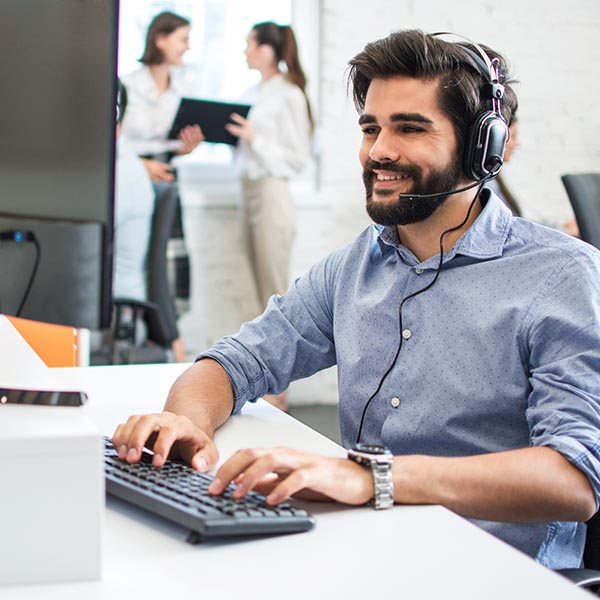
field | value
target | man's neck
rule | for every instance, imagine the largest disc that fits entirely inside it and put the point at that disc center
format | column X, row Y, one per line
column 423, row 238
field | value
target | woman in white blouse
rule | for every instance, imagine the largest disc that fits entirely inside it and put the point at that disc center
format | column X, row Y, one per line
column 154, row 94
column 274, row 146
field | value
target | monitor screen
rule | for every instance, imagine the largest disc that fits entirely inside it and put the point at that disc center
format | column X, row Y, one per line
column 57, row 139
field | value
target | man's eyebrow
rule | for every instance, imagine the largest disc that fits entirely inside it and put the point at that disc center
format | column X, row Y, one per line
column 413, row 117
column 397, row 117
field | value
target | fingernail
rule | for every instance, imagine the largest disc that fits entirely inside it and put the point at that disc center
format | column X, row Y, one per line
column 158, row 460
column 239, row 491
column 201, row 463
column 132, row 454
column 122, row 452
column 215, row 486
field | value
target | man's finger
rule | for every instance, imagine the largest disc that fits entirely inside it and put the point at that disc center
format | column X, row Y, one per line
column 295, row 482
column 234, row 467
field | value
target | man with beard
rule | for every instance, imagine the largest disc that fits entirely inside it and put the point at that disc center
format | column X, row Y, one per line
column 476, row 366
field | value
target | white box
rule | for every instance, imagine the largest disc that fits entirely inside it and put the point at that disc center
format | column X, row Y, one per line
column 51, row 495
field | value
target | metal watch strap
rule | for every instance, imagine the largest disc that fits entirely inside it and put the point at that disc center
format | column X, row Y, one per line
column 384, row 485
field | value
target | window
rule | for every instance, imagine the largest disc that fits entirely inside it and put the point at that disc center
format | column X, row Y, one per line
column 215, row 61
column 215, row 65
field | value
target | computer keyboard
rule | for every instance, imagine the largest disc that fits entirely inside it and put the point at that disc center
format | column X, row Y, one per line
column 177, row 492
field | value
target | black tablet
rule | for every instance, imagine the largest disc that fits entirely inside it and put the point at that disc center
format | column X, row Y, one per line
column 212, row 117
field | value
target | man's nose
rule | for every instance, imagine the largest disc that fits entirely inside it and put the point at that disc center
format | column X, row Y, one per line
column 385, row 149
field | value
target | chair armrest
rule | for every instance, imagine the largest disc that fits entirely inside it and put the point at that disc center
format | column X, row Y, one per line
column 124, row 328
column 585, row 578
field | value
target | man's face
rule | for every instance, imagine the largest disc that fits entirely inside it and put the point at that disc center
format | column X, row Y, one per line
column 408, row 147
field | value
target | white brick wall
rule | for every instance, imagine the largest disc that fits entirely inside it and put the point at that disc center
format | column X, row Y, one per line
column 555, row 53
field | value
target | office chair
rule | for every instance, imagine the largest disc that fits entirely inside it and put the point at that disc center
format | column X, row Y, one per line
column 158, row 312
column 583, row 190
column 178, row 261
column 589, row 576
column 162, row 325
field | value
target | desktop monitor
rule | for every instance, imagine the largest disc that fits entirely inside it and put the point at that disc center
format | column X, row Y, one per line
column 57, row 142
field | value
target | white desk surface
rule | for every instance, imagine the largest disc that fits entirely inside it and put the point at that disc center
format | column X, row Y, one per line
column 406, row 552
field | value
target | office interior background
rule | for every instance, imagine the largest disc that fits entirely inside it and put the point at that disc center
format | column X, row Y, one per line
column 554, row 53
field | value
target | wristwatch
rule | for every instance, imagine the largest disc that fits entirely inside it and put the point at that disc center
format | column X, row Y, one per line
column 380, row 460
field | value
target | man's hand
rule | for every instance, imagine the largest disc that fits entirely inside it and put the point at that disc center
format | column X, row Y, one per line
column 159, row 171
column 284, row 472
column 240, row 127
column 170, row 436
column 190, row 136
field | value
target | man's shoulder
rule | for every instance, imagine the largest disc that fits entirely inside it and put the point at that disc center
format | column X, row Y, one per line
column 552, row 247
column 365, row 241
column 352, row 254
column 535, row 235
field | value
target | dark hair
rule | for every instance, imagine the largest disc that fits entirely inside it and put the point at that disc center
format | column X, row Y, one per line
column 413, row 53
column 283, row 41
column 163, row 24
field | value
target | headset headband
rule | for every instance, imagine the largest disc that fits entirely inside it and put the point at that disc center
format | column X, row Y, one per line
column 487, row 67
column 488, row 132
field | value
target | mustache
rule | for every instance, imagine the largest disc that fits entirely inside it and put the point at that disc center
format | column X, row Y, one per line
column 408, row 170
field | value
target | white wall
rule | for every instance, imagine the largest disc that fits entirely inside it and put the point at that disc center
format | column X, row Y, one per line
column 555, row 55
column 554, row 51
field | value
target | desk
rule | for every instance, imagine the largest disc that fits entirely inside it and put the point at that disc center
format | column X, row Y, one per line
column 407, row 552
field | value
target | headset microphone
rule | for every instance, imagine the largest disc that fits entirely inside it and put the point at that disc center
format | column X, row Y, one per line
column 411, row 197
column 493, row 171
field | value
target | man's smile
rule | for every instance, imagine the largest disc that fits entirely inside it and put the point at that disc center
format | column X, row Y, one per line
column 387, row 180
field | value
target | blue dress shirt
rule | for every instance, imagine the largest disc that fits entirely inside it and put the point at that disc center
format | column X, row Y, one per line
column 503, row 352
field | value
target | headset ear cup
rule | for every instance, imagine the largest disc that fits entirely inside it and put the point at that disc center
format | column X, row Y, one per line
column 484, row 151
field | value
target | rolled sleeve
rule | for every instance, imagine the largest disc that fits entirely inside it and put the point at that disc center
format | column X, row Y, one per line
column 291, row 340
column 564, row 405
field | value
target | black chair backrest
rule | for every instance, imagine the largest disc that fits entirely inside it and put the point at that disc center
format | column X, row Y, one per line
column 591, row 555
column 162, row 325
column 583, row 190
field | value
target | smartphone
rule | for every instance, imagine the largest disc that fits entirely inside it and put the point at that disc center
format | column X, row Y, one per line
column 42, row 397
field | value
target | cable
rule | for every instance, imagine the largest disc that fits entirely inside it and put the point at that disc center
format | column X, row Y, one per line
column 20, row 237
column 480, row 183
column 38, row 253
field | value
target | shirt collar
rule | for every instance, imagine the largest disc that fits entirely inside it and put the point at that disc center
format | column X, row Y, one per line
column 483, row 240
column 148, row 86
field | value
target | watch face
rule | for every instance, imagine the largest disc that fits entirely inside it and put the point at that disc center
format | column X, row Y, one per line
column 370, row 449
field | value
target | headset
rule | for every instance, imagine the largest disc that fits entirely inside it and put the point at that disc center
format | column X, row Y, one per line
column 488, row 133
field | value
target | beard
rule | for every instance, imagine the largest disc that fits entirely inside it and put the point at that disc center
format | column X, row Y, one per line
column 405, row 211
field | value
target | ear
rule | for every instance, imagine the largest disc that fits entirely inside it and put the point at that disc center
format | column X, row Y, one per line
column 159, row 41
column 267, row 54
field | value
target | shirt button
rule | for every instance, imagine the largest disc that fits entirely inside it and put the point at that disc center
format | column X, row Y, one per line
column 395, row 402
column 418, row 271
column 407, row 334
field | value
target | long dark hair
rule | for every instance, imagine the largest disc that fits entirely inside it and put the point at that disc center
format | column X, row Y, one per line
column 283, row 41
column 164, row 23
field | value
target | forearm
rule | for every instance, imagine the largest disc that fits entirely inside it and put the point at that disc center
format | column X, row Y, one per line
column 530, row 484
column 203, row 394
